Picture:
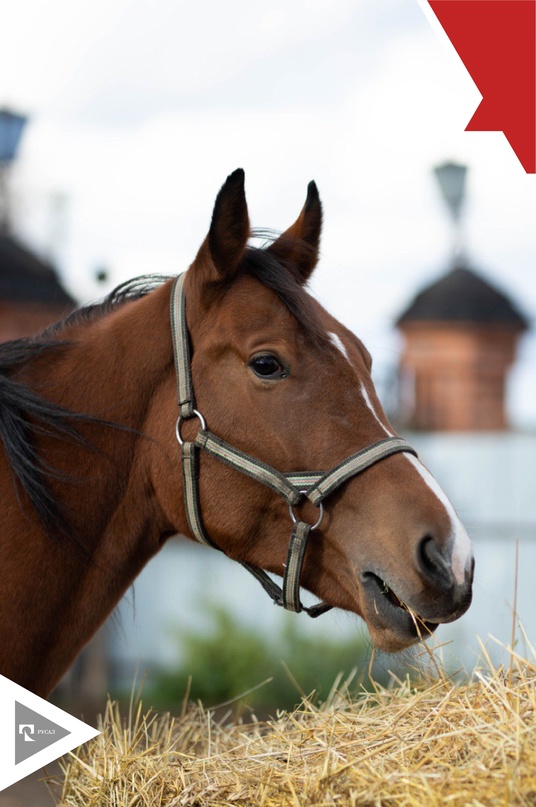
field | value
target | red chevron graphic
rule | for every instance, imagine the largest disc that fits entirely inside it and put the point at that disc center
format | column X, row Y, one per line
column 496, row 41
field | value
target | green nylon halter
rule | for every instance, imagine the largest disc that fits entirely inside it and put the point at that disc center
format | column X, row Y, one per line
column 293, row 487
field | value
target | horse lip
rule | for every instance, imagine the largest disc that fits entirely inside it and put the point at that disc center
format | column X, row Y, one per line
column 398, row 626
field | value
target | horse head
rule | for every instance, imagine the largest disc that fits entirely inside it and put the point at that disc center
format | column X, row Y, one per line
column 281, row 381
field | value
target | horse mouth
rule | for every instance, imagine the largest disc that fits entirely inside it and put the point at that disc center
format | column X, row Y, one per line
column 392, row 623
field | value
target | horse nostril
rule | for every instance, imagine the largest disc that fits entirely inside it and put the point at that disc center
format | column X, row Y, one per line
column 434, row 564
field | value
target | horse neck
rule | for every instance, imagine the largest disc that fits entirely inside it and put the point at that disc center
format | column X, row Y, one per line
column 112, row 364
column 110, row 369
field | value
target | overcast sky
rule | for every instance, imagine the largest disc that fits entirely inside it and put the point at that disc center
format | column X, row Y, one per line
column 140, row 109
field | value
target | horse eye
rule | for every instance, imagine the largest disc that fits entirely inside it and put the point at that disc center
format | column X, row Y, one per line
column 268, row 366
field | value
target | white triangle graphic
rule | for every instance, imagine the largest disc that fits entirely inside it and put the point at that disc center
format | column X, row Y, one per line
column 71, row 731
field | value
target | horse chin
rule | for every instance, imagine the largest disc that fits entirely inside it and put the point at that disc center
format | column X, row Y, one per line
column 393, row 626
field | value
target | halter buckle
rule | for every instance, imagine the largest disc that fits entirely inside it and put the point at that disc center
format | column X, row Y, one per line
column 182, row 418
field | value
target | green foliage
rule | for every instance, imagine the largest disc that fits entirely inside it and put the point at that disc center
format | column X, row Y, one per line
column 232, row 658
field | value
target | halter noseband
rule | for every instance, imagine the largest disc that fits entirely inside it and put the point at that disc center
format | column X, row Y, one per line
column 293, row 487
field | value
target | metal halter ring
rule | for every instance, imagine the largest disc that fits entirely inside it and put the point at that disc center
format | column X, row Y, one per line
column 181, row 418
column 313, row 526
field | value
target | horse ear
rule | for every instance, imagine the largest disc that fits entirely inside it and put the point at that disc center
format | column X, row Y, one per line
column 226, row 241
column 299, row 245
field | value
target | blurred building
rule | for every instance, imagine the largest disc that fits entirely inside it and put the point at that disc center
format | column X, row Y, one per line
column 31, row 295
column 460, row 337
column 460, row 340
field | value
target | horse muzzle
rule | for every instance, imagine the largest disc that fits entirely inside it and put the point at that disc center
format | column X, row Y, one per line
column 398, row 618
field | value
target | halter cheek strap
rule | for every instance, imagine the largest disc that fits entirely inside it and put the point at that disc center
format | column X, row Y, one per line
column 293, row 487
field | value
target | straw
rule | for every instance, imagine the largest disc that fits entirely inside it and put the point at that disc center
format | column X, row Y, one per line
column 431, row 744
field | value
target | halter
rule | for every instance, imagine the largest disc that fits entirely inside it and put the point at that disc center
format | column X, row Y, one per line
column 293, row 487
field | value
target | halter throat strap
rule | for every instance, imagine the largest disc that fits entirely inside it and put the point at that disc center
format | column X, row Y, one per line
column 292, row 487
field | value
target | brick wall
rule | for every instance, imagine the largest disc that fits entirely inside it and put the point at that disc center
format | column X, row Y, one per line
column 454, row 375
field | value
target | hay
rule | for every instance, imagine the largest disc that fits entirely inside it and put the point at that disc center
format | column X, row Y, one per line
column 433, row 744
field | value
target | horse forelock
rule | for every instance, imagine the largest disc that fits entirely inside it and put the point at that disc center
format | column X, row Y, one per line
column 282, row 278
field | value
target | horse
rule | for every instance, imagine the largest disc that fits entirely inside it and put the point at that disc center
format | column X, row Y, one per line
column 105, row 454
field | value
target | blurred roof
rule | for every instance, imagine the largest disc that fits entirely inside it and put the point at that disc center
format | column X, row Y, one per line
column 26, row 278
column 463, row 296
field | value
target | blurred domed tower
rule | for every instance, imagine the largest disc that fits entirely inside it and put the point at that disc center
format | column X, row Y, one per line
column 31, row 295
column 460, row 336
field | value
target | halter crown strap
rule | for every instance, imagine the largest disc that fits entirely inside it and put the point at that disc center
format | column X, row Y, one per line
column 293, row 487
column 181, row 348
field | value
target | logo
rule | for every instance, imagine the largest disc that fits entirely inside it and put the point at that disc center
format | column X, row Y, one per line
column 33, row 732
column 27, row 730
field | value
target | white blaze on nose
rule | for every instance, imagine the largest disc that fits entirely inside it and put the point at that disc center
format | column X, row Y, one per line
column 461, row 545
column 339, row 344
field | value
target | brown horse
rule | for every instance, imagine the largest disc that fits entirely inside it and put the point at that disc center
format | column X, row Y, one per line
column 90, row 471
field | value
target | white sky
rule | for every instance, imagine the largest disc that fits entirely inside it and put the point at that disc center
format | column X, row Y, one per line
column 140, row 110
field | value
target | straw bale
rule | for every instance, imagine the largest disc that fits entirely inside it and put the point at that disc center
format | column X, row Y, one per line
column 431, row 744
